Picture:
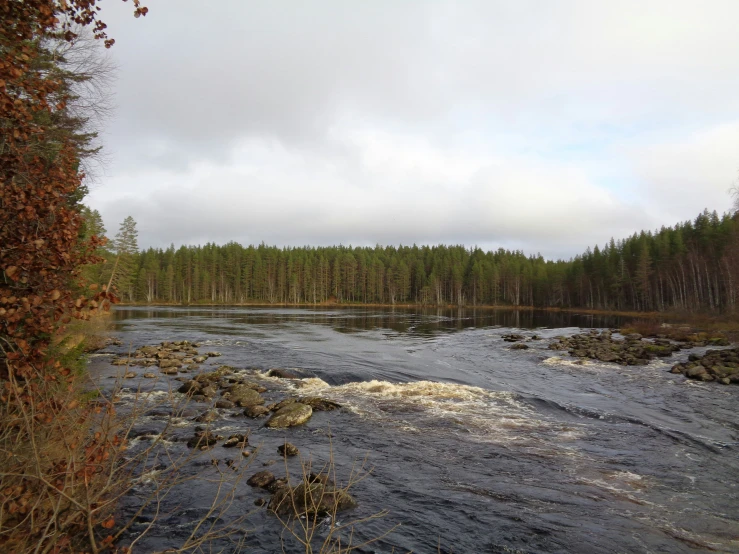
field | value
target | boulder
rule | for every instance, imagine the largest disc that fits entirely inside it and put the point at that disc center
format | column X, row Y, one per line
column 520, row 346
column 261, row 479
column 243, row 395
column 290, row 415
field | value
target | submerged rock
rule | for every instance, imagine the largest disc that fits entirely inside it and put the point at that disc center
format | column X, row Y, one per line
column 520, row 346
column 288, row 449
column 290, row 415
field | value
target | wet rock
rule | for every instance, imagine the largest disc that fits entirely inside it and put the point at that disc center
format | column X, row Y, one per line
column 520, row 346
column 166, row 364
column 283, row 374
column 204, row 440
column 311, row 497
column 281, row 404
column 261, row 479
column 243, row 395
column 212, row 354
column 207, row 417
column 289, row 416
column 236, row 441
column 603, row 347
column 150, row 375
column 255, row 411
column 210, row 390
column 189, row 387
column 260, row 502
column 513, row 337
column 199, row 359
column 224, row 403
column 276, row 485
column 129, row 375
column 319, row 404
column 121, row 361
column 288, row 449
column 713, row 365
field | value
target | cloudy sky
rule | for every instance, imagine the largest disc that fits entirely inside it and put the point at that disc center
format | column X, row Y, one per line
column 534, row 125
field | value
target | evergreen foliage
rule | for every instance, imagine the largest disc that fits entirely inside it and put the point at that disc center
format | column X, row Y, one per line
column 691, row 266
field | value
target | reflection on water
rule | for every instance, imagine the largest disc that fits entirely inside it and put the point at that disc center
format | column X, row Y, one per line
column 421, row 321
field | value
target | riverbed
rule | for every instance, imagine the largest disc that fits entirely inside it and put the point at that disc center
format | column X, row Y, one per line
column 472, row 446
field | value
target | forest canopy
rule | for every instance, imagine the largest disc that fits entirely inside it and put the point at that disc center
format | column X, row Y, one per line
column 690, row 266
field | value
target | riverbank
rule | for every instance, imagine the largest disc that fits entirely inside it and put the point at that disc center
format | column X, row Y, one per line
column 58, row 446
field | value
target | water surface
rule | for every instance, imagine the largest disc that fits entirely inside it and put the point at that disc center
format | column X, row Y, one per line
column 474, row 447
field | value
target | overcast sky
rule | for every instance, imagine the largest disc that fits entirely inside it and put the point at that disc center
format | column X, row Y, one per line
column 534, row 125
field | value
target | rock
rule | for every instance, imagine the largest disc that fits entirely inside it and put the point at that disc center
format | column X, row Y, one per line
column 199, row 359
column 725, row 381
column 255, row 411
column 166, row 364
column 212, row 354
column 245, row 453
column 513, row 337
column 319, row 404
column 189, row 387
column 260, row 502
column 520, row 346
column 207, row 417
column 236, row 440
column 695, row 371
column 129, row 375
column 289, row 416
column 203, row 440
column 150, row 375
column 283, row 374
column 288, row 449
column 210, row 390
column 261, row 479
column 311, row 497
column 243, row 395
column 633, row 337
column 121, row 361
column 281, row 404
column 224, row 403
column 276, row 485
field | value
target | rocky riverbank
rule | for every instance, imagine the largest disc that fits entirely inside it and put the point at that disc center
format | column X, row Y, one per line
column 721, row 366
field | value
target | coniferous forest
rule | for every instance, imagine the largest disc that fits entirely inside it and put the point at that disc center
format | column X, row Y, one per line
column 692, row 266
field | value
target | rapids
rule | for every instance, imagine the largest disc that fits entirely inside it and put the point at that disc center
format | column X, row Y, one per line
column 473, row 447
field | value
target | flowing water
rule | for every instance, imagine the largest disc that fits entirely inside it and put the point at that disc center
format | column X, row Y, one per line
column 474, row 447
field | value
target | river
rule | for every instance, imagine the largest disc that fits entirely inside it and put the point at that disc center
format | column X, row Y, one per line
column 473, row 447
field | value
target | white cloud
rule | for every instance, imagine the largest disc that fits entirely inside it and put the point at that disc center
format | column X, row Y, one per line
column 543, row 126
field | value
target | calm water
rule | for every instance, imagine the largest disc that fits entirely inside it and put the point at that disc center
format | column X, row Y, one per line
column 475, row 447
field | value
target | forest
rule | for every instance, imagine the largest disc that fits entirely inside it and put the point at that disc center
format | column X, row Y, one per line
column 692, row 266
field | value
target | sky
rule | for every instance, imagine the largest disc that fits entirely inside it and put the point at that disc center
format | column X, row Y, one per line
column 538, row 126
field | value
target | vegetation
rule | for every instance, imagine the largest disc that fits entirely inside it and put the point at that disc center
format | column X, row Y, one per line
column 53, row 489
column 693, row 266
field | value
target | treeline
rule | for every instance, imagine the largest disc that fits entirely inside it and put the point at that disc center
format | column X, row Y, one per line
column 691, row 266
